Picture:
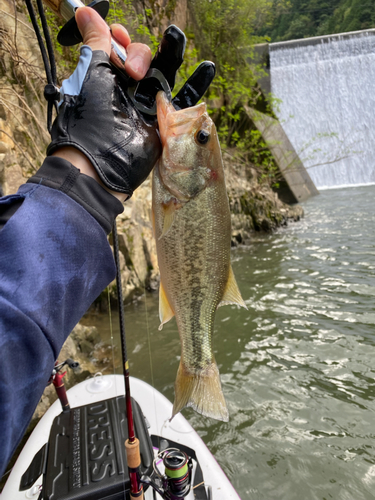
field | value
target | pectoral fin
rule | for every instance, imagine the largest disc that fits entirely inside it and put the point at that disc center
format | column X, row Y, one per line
column 168, row 211
column 232, row 294
column 165, row 311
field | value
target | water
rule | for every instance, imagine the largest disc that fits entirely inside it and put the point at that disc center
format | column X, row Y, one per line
column 298, row 367
column 325, row 85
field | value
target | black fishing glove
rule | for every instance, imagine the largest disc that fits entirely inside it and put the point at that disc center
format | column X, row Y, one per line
column 97, row 116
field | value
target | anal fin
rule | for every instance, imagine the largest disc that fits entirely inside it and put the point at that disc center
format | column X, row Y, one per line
column 165, row 310
column 232, row 294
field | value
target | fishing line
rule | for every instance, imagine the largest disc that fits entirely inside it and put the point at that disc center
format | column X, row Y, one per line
column 148, row 337
column 113, row 365
column 111, row 331
column 150, row 357
column 122, row 328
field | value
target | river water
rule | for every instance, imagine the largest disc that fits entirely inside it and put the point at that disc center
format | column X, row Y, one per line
column 298, row 367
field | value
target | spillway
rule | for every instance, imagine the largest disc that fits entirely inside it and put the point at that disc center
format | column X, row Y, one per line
column 325, row 87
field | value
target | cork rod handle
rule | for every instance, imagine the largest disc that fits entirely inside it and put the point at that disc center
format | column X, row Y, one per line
column 133, row 457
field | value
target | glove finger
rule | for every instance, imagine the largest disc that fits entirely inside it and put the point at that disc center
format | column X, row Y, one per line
column 168, row 59
column 170, row 53
column 195, row 87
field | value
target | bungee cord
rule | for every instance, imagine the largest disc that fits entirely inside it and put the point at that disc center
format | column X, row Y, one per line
column 51, row 91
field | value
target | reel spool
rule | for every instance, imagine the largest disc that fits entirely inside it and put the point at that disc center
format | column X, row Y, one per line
column 175, row 483
column 177, row 479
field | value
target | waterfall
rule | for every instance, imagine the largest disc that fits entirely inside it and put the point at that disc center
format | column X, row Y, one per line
column 326, row 88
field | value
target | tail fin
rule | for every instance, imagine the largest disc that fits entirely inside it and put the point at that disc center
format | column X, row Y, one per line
column 201, row 390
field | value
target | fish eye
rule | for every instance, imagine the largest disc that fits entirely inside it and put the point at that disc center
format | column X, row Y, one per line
column 203, row 136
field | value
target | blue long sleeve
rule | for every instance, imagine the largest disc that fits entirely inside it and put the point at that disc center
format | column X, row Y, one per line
column 54, row 261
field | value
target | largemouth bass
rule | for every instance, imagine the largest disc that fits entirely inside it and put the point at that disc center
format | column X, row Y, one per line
column 192, row 229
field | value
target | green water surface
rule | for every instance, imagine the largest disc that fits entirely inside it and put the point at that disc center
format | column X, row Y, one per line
column 297, row 368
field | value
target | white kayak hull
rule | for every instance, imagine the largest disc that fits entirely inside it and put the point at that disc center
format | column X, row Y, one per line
column 157, row 410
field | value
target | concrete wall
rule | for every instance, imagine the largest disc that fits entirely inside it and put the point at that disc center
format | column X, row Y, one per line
column 324, row 86
column 296, row 185
column 317, row 40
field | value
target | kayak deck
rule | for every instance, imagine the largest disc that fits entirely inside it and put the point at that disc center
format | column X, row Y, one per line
column 157, row 411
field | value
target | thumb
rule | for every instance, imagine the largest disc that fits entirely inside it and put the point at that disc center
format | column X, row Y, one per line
column 94, row 30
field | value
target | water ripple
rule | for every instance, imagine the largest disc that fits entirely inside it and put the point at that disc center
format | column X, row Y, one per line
column 298, row 368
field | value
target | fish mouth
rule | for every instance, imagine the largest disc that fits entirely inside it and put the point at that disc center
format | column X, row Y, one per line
column 174, row 122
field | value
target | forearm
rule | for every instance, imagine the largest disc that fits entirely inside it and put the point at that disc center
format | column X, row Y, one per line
column 55, row 260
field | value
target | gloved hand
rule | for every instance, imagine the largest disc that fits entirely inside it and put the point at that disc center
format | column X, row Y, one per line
column 97, row 116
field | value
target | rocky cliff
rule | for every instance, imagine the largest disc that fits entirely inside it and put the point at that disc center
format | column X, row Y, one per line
column 23, row 140
column 23, row 134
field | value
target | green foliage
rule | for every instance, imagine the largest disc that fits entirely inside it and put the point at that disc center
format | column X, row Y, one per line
column 293, row 19
column 251, row 148
column 223, row 32
column 354, row 15
column 123, row 12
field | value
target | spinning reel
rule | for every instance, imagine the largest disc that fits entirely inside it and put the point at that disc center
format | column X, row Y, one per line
column 175, row 482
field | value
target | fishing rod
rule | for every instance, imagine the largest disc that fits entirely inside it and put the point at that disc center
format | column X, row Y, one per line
column 70, row 35
column 132, row 443
column 175, row 482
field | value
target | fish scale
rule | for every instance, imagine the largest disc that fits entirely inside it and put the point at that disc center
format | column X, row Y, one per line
column 199, row 248
column 192, row 228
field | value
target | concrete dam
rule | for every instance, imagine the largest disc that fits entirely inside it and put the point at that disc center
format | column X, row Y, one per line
column 325, row 93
